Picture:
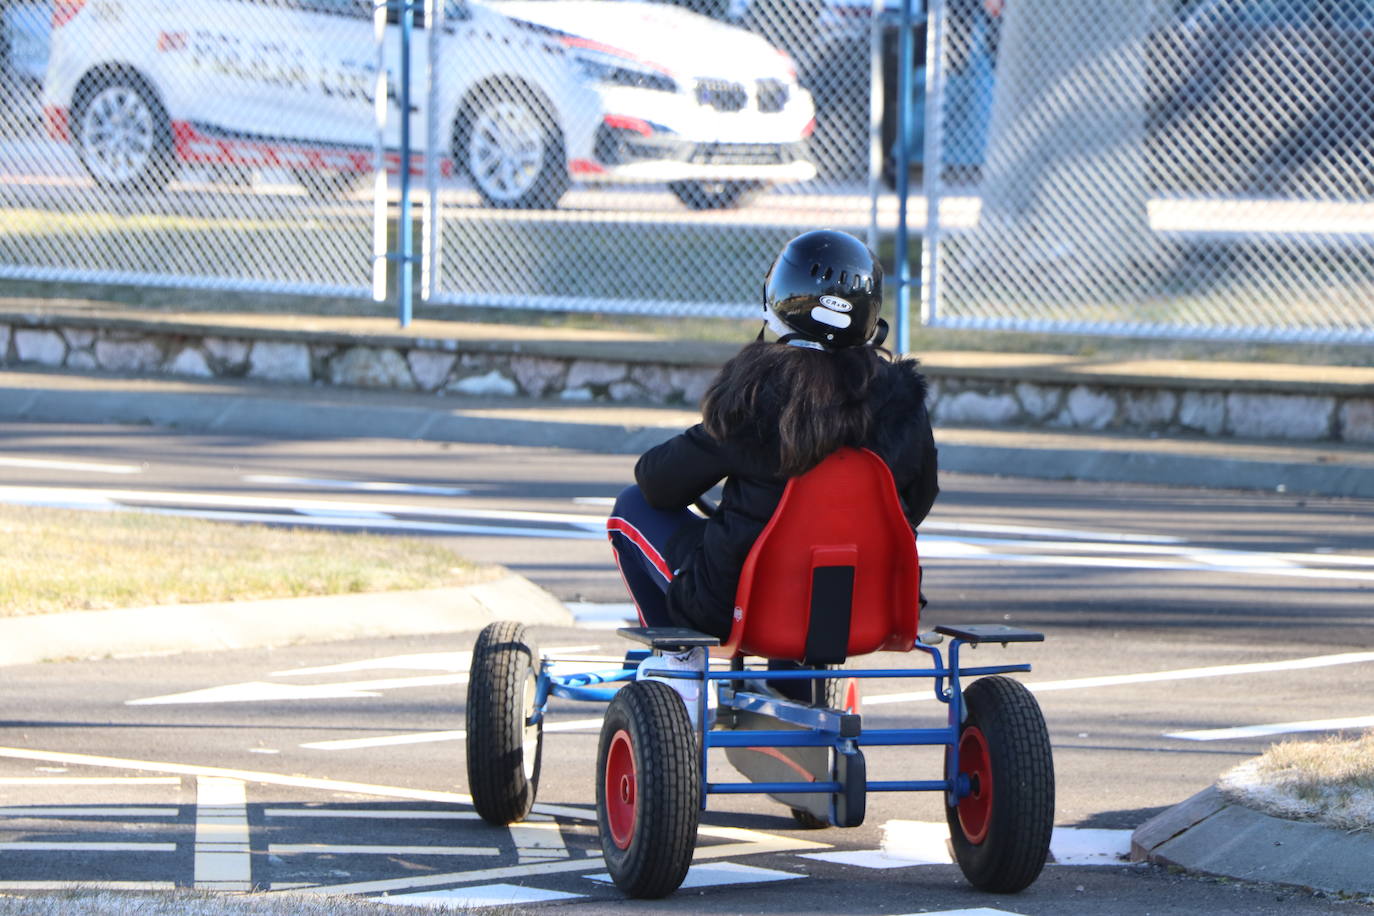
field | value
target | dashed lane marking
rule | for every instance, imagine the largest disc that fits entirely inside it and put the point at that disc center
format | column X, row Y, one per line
column 1278, row 728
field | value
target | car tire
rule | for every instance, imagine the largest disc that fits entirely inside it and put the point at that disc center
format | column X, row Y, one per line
column 504, row 751
column 510, row 147
column 123, row 134
column 715, row 195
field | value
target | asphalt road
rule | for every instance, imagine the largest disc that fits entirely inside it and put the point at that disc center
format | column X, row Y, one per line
column 1150, row 597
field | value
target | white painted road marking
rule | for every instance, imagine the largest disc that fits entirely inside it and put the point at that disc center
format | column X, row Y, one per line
column 124, row 813
column 912, row 843
column 28, row 886
column 1278, row 728
column 486, row 895
column 89, row 781
column 259, row 691
column 80, row 466
column 76, row 846
column 370, row 486
column 389, row 814
column 1177, row 674
column 223, row 861
column 721, row 874
column 352, row 744
column 297, row 849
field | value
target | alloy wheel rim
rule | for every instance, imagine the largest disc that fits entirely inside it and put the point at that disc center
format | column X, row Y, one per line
column 506, row 151
column 117, row 133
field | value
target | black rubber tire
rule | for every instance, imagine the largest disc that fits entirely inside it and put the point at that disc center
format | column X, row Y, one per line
column 122, row 133
column 1018, row 817
column 504, row 754
column 648, row 742
column 476, row 129
column 721, row 195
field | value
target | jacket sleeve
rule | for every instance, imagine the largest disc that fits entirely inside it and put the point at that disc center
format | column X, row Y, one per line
column 920, row 493
column 672, row 475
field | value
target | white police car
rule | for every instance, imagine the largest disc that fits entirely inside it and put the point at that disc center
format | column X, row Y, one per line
column 531, row 95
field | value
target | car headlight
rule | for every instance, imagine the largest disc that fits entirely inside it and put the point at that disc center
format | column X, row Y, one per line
column 604, row 65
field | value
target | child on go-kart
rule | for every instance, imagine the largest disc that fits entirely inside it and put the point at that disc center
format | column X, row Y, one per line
column 774, row 411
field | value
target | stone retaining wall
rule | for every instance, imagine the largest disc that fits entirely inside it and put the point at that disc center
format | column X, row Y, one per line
column 1206, row 407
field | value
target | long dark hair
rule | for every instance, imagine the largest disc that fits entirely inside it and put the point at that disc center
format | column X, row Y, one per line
column 810, row 401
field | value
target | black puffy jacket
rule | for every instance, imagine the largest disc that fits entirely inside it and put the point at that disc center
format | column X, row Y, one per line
column 708, row 558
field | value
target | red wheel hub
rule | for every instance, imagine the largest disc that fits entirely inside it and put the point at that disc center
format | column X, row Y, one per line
column 975, row 809
column 620, row 792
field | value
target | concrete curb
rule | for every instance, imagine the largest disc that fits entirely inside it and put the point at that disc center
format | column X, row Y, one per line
column 1208, row 835
column 275, row 622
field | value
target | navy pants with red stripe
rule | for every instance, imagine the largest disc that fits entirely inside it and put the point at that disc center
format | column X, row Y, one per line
column 639, row 536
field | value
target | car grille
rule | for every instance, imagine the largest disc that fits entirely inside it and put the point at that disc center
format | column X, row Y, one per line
column 722, row 95
column 772, row 95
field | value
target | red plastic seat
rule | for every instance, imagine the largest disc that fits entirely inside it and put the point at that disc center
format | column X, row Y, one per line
column 835, row 573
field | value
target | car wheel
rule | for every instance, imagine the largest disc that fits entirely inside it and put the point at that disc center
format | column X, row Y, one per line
column 511, row 149
column 715, row 195
column 325, row 184
column 123, row 136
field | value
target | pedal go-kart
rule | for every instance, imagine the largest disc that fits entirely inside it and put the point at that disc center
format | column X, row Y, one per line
column 830, row 578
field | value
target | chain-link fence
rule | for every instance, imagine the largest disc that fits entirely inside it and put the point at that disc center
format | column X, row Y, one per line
column 586, row 153
column 1166, row 167
column 1131, row 166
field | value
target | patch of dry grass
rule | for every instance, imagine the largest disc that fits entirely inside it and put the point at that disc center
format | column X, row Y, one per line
column 1330, row 781
column 68, row 560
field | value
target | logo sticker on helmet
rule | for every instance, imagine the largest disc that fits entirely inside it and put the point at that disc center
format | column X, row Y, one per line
column 836, row 303
column 826, row 316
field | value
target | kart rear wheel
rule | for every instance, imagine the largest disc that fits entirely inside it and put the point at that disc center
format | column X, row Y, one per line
column 504, row 751
column 1001, row 830
column 648, row 789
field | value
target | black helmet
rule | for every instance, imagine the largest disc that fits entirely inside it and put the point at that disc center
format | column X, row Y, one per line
column 827, row 288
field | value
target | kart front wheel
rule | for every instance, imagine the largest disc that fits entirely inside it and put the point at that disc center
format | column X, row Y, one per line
column 1001, row 830
column 504, row 749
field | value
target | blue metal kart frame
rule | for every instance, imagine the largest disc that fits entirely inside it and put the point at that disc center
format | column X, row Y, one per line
column 812, row 726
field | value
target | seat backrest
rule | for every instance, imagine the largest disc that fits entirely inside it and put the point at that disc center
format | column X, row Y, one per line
column 835, row 572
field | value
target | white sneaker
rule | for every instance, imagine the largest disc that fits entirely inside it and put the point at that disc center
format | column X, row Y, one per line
column 690, row 690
